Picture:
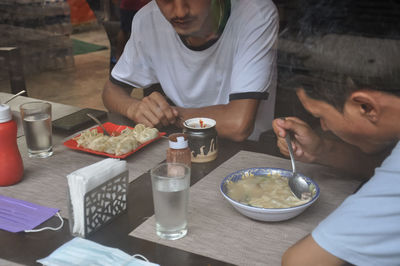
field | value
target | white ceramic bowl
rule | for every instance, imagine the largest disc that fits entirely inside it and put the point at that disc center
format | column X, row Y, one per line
column 266, row 214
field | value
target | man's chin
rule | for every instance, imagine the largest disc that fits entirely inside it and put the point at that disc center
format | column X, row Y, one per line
column 184, row 33
column 183, row 29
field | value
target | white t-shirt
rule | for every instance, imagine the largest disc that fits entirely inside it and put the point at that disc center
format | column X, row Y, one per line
column 240, row 65
column 365, row 228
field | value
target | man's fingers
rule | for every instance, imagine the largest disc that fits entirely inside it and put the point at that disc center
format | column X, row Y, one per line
column 148, row 118
column 283, row 148
column 152, row 111
column 297, row 120
column 167, row 115
column 162, row 109
column 295, row 125
column 278, row 127
column 175, row 112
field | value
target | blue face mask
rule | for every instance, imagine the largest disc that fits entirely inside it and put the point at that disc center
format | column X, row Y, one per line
column 81, row 251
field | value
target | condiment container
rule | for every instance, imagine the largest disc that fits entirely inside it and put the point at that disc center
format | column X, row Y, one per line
column 11, row 167
column 203, row 139
column 178, row 151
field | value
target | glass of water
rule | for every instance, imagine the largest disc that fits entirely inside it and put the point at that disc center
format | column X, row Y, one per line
column 36, row 120
column 170, row 183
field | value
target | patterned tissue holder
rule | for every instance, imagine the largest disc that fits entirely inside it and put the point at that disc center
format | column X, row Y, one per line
column 102, row 204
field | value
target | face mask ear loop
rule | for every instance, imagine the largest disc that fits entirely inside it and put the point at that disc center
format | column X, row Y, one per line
column 48, row 228
column 140, row 256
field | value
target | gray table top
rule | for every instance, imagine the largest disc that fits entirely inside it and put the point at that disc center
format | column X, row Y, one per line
column 26, row 248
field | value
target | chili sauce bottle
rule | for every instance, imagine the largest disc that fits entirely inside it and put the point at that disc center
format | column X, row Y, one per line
column 11, row 167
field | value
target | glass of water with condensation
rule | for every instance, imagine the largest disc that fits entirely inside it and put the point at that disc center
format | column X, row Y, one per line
column 36, row 120
column 170, row 183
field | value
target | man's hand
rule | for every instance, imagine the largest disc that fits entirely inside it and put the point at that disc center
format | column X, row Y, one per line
column 153, row 111
column 307, row 145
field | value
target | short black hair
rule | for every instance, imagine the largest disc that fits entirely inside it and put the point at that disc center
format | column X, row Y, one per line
column 340, row 50
column 335, row 88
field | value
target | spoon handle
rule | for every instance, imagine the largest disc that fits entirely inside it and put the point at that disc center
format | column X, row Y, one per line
column 16, row 95
column 99, row 123
column 289, row 144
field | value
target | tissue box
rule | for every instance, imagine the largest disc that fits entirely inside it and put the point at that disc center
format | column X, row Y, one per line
column 102, row 204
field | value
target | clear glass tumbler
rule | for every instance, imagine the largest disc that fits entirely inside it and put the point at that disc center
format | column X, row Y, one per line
column 170, row 183
column 36, row 120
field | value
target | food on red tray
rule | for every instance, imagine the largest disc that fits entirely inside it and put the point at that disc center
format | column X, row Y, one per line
column 128, row 140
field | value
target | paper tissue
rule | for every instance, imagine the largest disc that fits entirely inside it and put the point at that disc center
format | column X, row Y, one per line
column 97, row 194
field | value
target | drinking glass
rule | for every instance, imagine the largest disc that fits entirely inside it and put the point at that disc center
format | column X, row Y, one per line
column 36, row 120
column 170, row 183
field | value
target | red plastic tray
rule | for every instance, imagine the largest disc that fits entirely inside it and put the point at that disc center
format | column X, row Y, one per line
column 110, row 127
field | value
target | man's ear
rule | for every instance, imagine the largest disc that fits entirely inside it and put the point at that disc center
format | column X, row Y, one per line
column 366, row 104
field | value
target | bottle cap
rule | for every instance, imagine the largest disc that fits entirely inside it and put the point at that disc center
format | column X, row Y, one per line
column 5, row 113
column 178, row 141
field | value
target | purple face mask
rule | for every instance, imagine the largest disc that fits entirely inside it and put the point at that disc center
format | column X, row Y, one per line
column 18, row 215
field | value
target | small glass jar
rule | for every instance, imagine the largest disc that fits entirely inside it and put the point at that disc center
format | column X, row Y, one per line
column 178, row 151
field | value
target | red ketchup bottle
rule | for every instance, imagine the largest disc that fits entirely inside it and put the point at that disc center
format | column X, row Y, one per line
column 179, row 151
column 11, row 167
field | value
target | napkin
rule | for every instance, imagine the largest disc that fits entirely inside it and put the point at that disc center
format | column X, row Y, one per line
column 18, row 215
column 84, row 180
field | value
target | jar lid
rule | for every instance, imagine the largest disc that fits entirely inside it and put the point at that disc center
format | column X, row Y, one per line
column 178, row 141
column 199, row 123
column 5, row 113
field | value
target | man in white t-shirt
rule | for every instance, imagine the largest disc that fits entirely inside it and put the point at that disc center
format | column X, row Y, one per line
column 212, row 58
column 364, row 112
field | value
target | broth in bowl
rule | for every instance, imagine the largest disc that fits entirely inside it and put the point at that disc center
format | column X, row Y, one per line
column 265, row 178
column 266, row 191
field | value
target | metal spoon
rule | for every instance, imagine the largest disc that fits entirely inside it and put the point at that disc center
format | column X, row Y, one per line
column 297, row 184
column 16, row 95
column 99, row 123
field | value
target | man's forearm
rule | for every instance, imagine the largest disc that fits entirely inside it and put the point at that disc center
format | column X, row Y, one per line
column 117, row 99
column 307, row 252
